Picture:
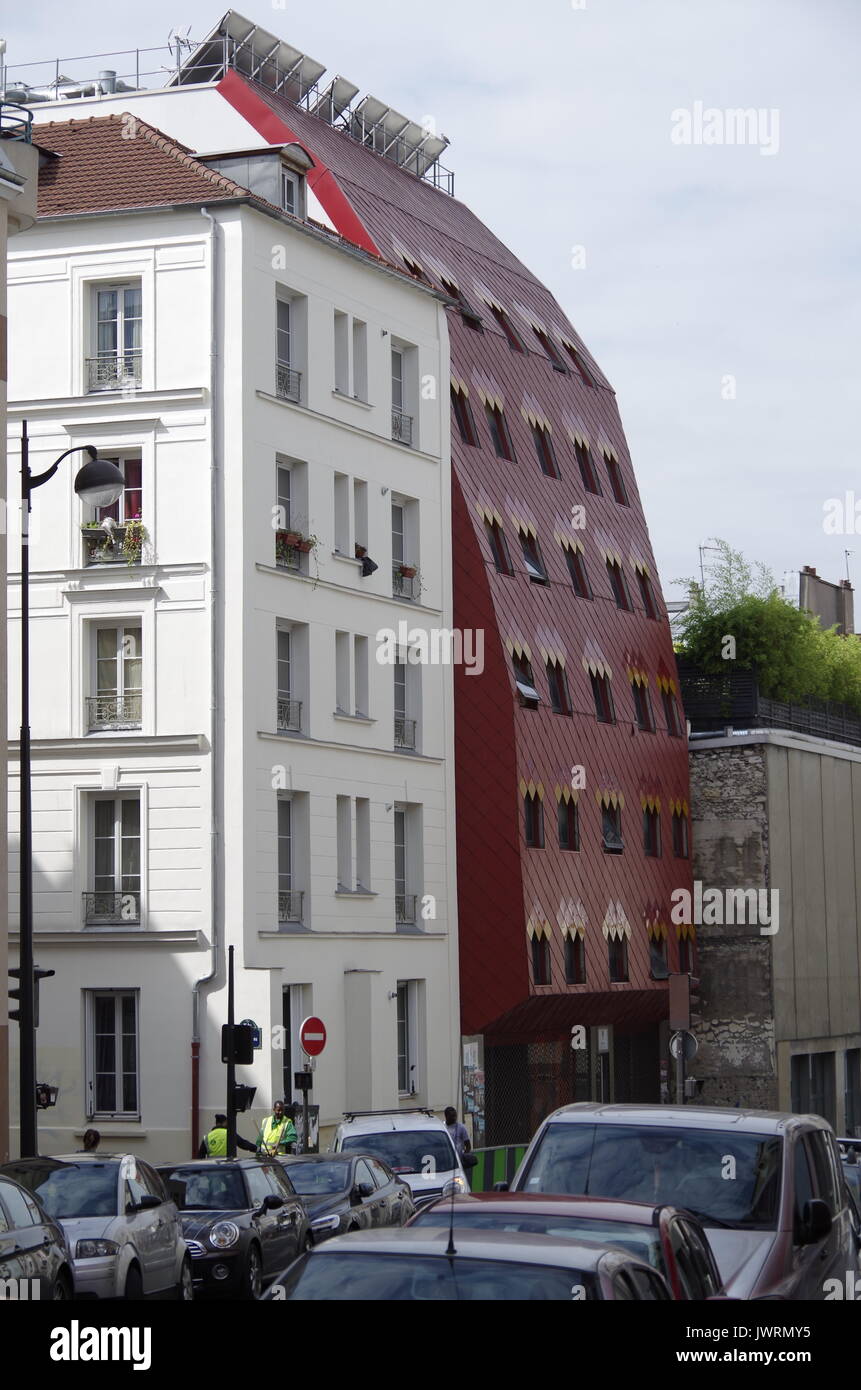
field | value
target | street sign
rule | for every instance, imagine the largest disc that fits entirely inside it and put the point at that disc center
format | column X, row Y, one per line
column 685, row 1045
column 256, row 1038
column 312, row 1036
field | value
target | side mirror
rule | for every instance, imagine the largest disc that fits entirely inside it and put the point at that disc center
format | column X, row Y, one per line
column 147, row 1202
column 364, row 1189
column 500, row 1187
column 271, row 1202
column 816, row 1221
column 470, row 1160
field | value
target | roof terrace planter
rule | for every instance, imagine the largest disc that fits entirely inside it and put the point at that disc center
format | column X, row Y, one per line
column 715, row 702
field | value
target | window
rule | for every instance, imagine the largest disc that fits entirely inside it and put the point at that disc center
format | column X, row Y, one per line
column 129, row 505
column 544, row 450
column 686, row 955
column 532, row 558
column 363, row 845
column 344, row 835
column 404, row 375
column 289, row 900
column 360, row 677
column 813, row 1084
column 525, row 682
column 342, row 353
column 499, row 432
column 471, row 317
column 498, row 547
column 603, row 697
column 617, row 482
column 417, row 272
column 558, row 682
column 579, row 364
column 405, row 728
column 575, row 960
column 291, row 192
column 117, row 702
column 611, row 829
column 290, row 660
column 577, row 570
column 397, row 382
column 113, row 1082
column 288, row 380
column 464, row 417
column 658, row 964
column 541, row 962
column 617, row 950
column 680, row 834
column 341, row 513
column 515, row 342
column 675, row 727
column 533, row 814
column 360, row 360
column 619, row 585
column 405, row 835
column 118, row 359
column 647, row 594
column 360, row 512
column 586, row 464
column 568, row 825
column 651, row 833
column 116, row 862
column 643, row 708
column 406, row 1037
column 853, row 1092
column 342, row 673
column 284, row 332
column 551, row 349
column 283, row 682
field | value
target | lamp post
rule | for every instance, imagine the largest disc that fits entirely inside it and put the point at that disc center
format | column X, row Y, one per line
column 99, row 483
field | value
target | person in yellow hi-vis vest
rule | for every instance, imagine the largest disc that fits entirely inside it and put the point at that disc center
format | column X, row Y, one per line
column 214, row 1144
column 278, row 1132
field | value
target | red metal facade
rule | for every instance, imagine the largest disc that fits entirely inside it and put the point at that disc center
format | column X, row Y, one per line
column 502, row 748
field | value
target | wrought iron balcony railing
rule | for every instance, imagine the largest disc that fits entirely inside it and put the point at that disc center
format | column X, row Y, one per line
column 114, row 371
column 402, row 426
column 288, row 383
column 113, row 712
column 405, row 732
column 290, row 906
column 404, row 585
column 107, row 909
column 289, row 716
column 405, row 909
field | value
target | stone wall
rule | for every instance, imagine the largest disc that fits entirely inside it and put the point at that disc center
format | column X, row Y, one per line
column 729, row 825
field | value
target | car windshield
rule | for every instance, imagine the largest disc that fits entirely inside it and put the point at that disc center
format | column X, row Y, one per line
column 205, row 1189
column 642, row 1241
column 407, row 1151
column 311, row 1178
column 86, row 1190
column 413, row 1277
column 732, row 1179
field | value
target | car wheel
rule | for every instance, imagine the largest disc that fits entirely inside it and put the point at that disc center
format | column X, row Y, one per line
column 252, row 1283
column 185, row 1287
column 308, row 1243
column 134, row 1284
column 62, row 1290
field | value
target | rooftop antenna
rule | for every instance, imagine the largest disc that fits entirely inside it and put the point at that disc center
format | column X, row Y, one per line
column 180, row 39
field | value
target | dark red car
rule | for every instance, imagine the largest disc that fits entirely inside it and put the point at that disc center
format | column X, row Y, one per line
column 667, row 1238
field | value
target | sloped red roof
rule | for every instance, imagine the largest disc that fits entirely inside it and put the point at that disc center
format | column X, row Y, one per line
column 109, row 163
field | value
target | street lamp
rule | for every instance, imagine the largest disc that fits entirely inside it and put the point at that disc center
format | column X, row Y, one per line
column 99, row 483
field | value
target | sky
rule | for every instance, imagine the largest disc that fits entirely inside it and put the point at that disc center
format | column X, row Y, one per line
column 713, row 269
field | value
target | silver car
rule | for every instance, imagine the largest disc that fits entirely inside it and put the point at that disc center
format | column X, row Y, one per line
column 124, row 1232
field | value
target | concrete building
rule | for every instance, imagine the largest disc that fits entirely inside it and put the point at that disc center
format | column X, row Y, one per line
column 19, row 171
column 777, row 832
column 571, row 761
column 221, row 755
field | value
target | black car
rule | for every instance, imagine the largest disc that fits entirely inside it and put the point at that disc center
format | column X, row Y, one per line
column 349, row 1192
column 241, row 1219
column 33, row 1250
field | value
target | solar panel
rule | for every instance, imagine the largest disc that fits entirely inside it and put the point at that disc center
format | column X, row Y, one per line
column 330, row 104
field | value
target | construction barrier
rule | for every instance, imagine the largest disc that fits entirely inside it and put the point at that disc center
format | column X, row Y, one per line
column 495, row 1165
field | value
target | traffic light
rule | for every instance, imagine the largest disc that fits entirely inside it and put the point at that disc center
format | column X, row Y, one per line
column 15, row 1014
column 239, row 1048
column 695, row 1003
column 243, row 1098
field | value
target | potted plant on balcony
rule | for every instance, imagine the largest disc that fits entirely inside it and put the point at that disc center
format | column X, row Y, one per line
column 408, row 571
column 133, row 540
column 360, row 551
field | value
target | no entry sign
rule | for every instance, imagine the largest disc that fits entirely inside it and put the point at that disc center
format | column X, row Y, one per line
column 312, row 1036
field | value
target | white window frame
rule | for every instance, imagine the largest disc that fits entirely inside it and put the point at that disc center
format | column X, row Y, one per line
column 116, row 796
column 284, row 334
column 90, row 996
column 407, row 1010
column 121, row 627
column 117, row 286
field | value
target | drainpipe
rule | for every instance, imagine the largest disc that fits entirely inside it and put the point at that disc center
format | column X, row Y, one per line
column 214, row 748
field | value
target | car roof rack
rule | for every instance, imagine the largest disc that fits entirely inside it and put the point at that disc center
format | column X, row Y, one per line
column 408, row 1110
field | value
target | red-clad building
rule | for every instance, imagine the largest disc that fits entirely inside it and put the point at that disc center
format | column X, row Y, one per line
column 571, row 755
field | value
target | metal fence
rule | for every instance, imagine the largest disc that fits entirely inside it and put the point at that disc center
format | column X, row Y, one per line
column 733, row 700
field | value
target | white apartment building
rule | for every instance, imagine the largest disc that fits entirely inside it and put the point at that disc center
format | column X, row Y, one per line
column 219, row 757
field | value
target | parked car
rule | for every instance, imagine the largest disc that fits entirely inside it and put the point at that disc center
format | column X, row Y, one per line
column 122, row 1229
column 348, row 1192
column 486, row 1266
column 671, row 1241
column 768, row 1187
column 850, row 1157
column 33, row 1247
column 242, row 1220
column 414, row 1143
